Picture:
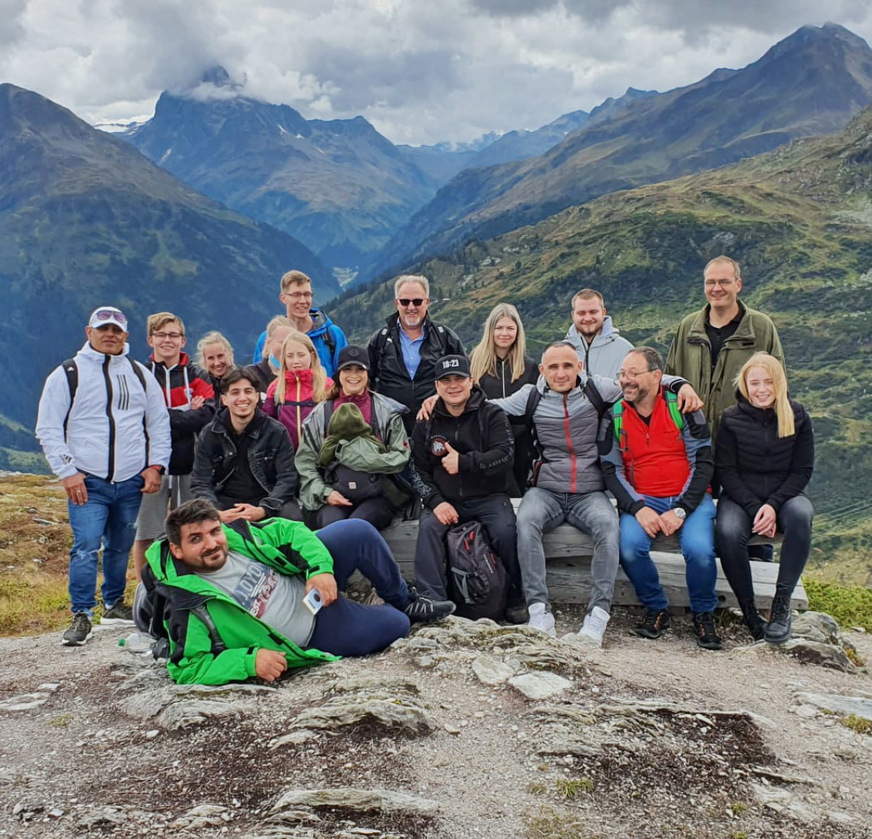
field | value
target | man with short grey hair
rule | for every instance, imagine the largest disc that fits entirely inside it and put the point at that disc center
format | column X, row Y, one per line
column 403, row 354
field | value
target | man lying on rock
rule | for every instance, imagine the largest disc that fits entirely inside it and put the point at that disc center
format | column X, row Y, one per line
column 236, row 594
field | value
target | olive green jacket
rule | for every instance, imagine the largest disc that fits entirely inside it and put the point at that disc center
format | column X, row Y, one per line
column 690, row 357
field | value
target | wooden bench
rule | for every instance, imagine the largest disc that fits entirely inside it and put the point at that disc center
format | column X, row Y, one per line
column 568, row 553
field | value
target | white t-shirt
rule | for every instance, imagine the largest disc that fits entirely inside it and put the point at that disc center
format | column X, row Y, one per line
column 274, row 598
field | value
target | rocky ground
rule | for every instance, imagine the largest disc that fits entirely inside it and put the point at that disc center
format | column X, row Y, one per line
column 462, row 730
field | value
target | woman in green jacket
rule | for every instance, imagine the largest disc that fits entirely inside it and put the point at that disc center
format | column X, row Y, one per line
column 352, row 450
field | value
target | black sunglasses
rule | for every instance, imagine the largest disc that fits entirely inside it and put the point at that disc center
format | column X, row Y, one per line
column 405, row 301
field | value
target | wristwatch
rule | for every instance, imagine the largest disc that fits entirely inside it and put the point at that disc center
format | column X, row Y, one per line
column 680, row 512
column 159, row 469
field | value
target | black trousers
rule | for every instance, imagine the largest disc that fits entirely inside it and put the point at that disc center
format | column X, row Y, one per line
column 290, row 509
column 497, row 517
column 733, row 529
column 378, row 511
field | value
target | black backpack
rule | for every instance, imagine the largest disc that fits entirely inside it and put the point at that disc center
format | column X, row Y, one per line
column 477, row 578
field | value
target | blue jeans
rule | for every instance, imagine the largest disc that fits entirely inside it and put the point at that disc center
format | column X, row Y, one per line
column 349, row 628
column 697, row 545
column 107, row 518
column 542, row 510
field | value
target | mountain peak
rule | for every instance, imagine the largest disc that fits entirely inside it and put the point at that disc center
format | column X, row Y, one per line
column 829, row 33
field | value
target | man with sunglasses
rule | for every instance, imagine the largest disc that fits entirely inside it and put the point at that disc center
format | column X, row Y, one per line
column 105, row 431
column 328, row 338
column 403, row 354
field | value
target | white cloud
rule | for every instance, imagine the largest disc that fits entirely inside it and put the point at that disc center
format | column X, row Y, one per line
column 419, row 71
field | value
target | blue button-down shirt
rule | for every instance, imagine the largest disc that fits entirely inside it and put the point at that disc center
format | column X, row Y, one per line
column 411, row 348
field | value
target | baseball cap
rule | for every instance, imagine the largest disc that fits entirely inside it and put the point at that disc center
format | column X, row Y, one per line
column 452, row 365
column 106, row 315
column 353, row 357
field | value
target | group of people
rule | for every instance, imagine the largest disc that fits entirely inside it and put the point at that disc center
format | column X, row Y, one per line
column 319, row 435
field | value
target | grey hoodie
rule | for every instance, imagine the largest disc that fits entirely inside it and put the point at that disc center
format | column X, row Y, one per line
column 603, row 356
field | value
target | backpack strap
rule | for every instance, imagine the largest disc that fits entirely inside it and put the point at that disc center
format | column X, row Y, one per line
column 72, row 372
column 330, row 341
column 672, row 405
column 328, row 413
column 596, row 399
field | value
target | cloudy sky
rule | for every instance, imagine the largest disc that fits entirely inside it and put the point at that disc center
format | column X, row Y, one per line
column 421, row 71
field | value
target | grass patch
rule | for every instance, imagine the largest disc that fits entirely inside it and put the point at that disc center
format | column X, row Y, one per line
column 857, row 724
column 553, row 825
column 569, row 788
column 849, row 605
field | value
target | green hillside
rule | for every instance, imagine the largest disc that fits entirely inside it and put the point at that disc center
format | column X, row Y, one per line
column 798, row 219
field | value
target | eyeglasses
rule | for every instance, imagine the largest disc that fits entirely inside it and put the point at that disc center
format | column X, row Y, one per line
column 722, row 283
column 300, row 295
column 632, row 374
column 163, row 336
column 405, row 302
column 110, row 314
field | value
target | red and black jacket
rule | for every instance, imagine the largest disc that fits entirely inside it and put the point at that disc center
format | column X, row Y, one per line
column 180, row 384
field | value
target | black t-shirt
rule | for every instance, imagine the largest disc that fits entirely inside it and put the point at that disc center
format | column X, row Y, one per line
column 241, row 487
column 717, row 335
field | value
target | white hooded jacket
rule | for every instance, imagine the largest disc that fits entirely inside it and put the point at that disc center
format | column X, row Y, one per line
column 115, row 428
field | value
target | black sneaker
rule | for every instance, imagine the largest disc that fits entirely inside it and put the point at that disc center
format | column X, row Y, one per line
column 423, row 609
column 653, row 624
column 777, row 631
column 118, row 614
column 516, row 610
column 753, row 620
column 704, row 629
column 79, row 631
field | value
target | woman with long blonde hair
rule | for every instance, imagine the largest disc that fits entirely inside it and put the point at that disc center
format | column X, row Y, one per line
column 500, row 366
column 764, row 460
column 215, row 356
column 300, row 385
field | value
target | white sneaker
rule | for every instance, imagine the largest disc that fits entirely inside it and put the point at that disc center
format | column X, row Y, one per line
column 594, row 627
column 542, row 620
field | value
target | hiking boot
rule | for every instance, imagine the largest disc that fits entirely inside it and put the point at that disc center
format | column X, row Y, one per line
column 516, row 610
column 541, row 619
column 704, row 629
column 79, row 631
column 653, row 624
column 777, row 631
column 117, row 614
column 425, row 609
column 753, row 621
column 594, row 627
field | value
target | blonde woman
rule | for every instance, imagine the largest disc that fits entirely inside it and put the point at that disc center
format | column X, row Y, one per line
column 267, row 368
column 500, row 366
column 764, row 460
column 300, row 385
column 215, row 356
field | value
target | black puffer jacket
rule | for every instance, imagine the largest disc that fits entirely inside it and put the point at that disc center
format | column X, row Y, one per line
column 481, row 435
column 388, row 374
column 270, row 456
column 754, row 465
column 499, row 386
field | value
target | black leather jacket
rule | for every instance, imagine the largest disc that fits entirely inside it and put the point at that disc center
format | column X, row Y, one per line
column 270, row 456
column 388, row 374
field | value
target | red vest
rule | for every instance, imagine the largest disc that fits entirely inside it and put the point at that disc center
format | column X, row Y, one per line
column 655, row 459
